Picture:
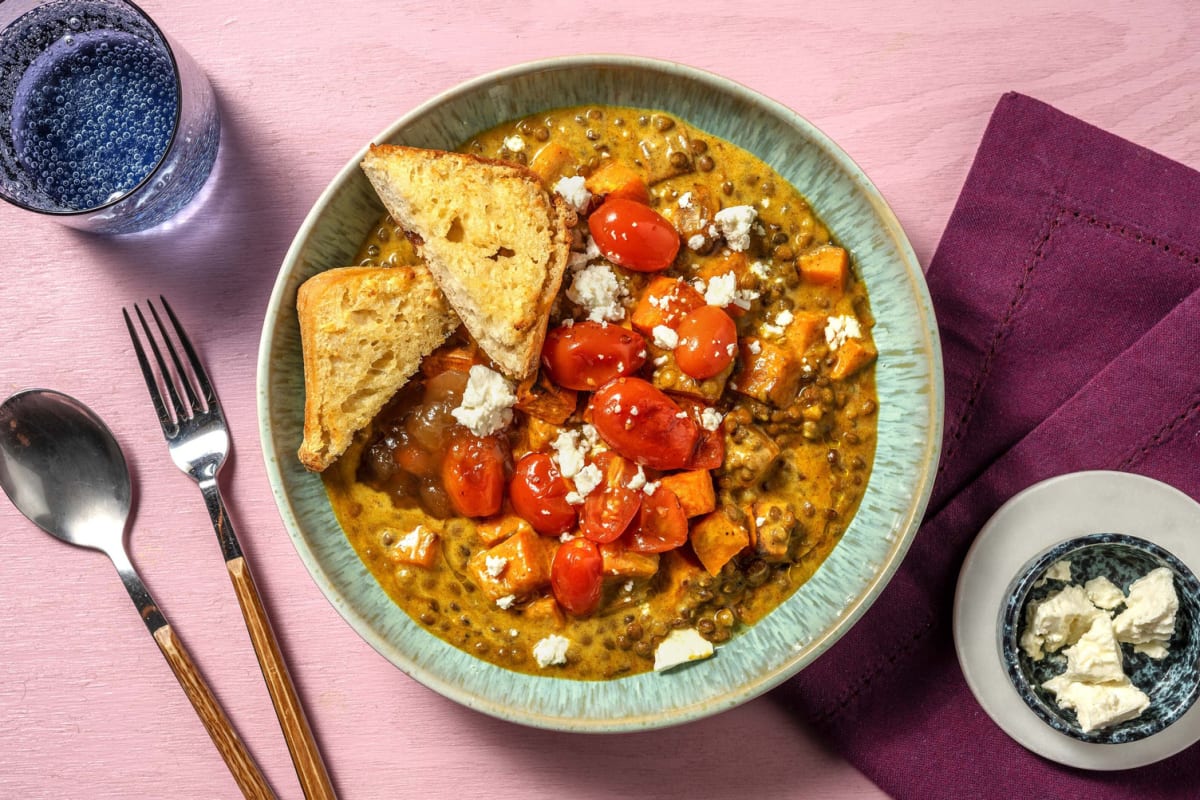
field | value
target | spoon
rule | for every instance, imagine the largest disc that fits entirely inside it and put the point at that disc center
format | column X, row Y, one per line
column 62, row 468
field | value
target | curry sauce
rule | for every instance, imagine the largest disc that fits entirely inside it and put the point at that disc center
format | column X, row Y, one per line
column 794, row 416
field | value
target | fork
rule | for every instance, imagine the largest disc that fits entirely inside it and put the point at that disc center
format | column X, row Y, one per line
column 198, row 440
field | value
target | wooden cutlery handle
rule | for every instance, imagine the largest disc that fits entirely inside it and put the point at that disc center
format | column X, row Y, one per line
column 314, row 779
column 245, row 771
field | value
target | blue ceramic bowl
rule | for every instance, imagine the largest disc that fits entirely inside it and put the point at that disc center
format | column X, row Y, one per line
column 909, row 377
column 1171, row 683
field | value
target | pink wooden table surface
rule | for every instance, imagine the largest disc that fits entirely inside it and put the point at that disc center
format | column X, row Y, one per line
column 88, row 707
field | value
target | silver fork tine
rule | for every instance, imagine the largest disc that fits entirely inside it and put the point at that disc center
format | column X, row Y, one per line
column 206, row 387
column 193, row 402
column 160, row 408
column 176, row 403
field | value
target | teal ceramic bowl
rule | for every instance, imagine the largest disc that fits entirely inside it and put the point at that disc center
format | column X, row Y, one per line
column 909, row 377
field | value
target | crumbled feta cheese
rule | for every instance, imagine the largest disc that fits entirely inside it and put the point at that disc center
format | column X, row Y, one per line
column 743, row 298
column 1104, row 593
column 495, row 565
column 515, row 144
column 734, row 224
column 696, row 242
column 665, row 337
column 487, row 401
column 574, row 498
column 551, row 651
column 839, row 329
column 411, row 540
column 681, row 415
column 710, row 419
column 513, row 632
column 566, row 537
column 685, row 200
column 574, row 191
column 721, row 290
column 587, row 479
column 730, row 349
column 638, row 480
column 784, row 319
column 760, row 270
column 650, row 488
column 661, row 361
column 681, row 646
column 596, row 288
column 754, row 347
column 766, row 202
column 1057, row 621
column 506, row 601
column 1148, row 621
column 590, row 434
column 569, row 452
column 628, row 587
column 760, row 521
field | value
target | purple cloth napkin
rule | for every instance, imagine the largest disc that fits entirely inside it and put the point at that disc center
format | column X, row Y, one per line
column 1065, row 289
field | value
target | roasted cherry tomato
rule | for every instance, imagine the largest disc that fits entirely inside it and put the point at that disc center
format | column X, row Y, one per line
column 539, row 495
column 710, row 448
column 634, row 235
column 577, row 576
column 662, row 524
column 473, row 475
column 612, row 505
column 707, row 342
column 588, row 355
column 643, row 424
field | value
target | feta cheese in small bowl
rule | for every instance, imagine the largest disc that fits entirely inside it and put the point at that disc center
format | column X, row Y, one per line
column 1099, row 637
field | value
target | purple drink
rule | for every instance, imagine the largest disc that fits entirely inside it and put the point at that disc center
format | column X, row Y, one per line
column 92, row 116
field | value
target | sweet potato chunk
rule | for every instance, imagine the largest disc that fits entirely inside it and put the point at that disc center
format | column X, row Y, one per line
column 545, row 609
column 771, row 375
column 540, row 397
column 625, row 564
column 615, row 178
column 525, row 566
column 417, row 547
column 694, row 490
column 804, row 329
column 828, row 265
column 458, row 359
column 677, row 574
column 694, row 216
column 716, row 539
column 853, row 355
column 550, row 163
column 664, row 302
column 497, row 529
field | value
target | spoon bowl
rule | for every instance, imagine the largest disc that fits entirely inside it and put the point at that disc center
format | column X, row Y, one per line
column 64, row 470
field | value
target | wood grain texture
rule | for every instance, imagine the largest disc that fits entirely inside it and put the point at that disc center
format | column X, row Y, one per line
column 905, row 87
column 306, row 756
column 245, row 771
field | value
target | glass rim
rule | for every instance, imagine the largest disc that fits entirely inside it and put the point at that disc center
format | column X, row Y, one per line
column 166, row 43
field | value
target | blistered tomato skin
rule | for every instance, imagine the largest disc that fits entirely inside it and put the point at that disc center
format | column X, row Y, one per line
column 586, row 355
column 538, row 492
column 612, row 506
column 707, row 342
column 641, row 423
column 634, row 235
column 473, row 475
column 577, row 577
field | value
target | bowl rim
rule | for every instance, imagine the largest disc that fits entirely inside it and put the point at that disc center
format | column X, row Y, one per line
column 907, row 522
column 1010, row 621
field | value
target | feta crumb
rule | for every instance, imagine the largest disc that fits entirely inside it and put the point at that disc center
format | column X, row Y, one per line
column 681, row 415
column 785, row 318
column 515, row 144
column 574, row 498
column 681, row 646
column 590, row 434
column 665, row 337
column 755, row 347
column 574, row 191
column 495, row 565
column 731, row 349
column 760, row 521
column 506, row 601
column 513, row 632
column 551, row 651
column 760, row 270
column 839, row 329
column 766, row 202
column 628, row 587
column 566, row 537
column 685, row 200
column 710, row 419
column 487, row 401
column 734, row 224
column 596, row 288
column 588, row 479
column 638, row 480
column 1104, row 593
column 569, row 452
column 411, row 540
column 661, row 361
column 696, row 242
column 721, row 290
column 650, row 488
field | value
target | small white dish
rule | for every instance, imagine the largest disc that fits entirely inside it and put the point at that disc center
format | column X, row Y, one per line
column 1030, row 523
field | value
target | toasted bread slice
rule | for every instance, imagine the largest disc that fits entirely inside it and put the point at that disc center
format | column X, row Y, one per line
column 496, row 241
column 364, row 331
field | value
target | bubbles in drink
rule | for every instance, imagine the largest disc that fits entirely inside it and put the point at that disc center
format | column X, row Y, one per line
column 92, row 116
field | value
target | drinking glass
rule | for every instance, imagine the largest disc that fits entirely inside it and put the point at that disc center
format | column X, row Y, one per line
column 105, row 123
